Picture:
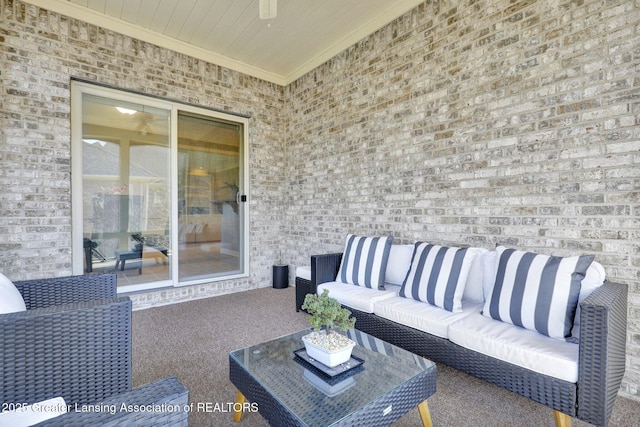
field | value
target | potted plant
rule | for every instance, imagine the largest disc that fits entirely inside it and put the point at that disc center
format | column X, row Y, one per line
column 324, row 344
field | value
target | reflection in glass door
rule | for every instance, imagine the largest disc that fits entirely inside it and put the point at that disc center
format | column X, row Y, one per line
column 157, row 190
column 126, row 190
column 209, row 181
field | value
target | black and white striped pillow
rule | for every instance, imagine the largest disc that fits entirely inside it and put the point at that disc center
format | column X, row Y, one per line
column 537, row 292
column 364, row 261
column 438, row 275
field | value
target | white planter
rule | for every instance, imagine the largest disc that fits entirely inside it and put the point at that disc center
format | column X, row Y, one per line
column 328, row 357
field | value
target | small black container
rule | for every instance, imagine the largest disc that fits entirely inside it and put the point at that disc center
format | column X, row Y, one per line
column 280, row 276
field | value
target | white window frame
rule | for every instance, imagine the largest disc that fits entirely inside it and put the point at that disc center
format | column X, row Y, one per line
column 78, row 88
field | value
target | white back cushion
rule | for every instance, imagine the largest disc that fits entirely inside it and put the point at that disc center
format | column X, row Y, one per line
column 593, row 279
column 488, row 273
column 398, row 264
column 11, row 300
column 473, row 289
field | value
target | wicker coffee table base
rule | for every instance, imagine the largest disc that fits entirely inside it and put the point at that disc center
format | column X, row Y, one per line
column 423, row 409
column 412, row 394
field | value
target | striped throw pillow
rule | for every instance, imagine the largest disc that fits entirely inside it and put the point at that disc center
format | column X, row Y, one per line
column 364, row 261
column 537, row 292
column 438, row 275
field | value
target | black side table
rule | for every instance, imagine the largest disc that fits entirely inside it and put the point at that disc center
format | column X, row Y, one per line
column 280, row 276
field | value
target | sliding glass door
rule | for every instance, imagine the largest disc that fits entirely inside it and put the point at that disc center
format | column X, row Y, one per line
column 157, row 190
column 209, row 211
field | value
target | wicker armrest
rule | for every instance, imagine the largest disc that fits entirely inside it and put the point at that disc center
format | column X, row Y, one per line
column 164, row 402
column 325, row 267
column 80, row 351
column 603, row 328
column 63, row 290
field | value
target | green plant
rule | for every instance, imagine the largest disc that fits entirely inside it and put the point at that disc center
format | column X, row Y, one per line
column 327, row 312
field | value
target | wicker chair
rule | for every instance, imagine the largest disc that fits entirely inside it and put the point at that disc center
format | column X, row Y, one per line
column 160, row 403
column 74, row 341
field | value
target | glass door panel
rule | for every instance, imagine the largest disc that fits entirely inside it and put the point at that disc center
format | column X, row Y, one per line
column 157, row 190
column 209, row 215
column 126, row 190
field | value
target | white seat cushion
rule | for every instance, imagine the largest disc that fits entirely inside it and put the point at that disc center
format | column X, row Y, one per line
column 26, row 416
column 358, row 297
column 304, row 272
column 519, row 346
column 421, row 315
column 11, row 300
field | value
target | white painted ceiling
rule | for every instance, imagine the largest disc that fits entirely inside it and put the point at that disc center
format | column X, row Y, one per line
column 304, row 34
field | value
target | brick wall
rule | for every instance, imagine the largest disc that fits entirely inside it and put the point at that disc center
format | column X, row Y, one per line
column 476, row 123
column 39, row 53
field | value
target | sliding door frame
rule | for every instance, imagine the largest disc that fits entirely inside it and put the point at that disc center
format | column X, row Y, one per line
column 78, row 88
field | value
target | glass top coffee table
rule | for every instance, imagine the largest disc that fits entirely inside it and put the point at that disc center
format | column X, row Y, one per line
column 386, row 383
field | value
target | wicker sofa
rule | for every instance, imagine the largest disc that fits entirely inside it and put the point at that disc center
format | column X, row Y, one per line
column 600, row 357
column 74, row 341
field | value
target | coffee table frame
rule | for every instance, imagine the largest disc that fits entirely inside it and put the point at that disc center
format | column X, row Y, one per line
column 382, row 410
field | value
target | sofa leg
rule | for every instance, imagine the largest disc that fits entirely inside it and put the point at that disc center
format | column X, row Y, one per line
column 425, row 415
column 562, row 419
